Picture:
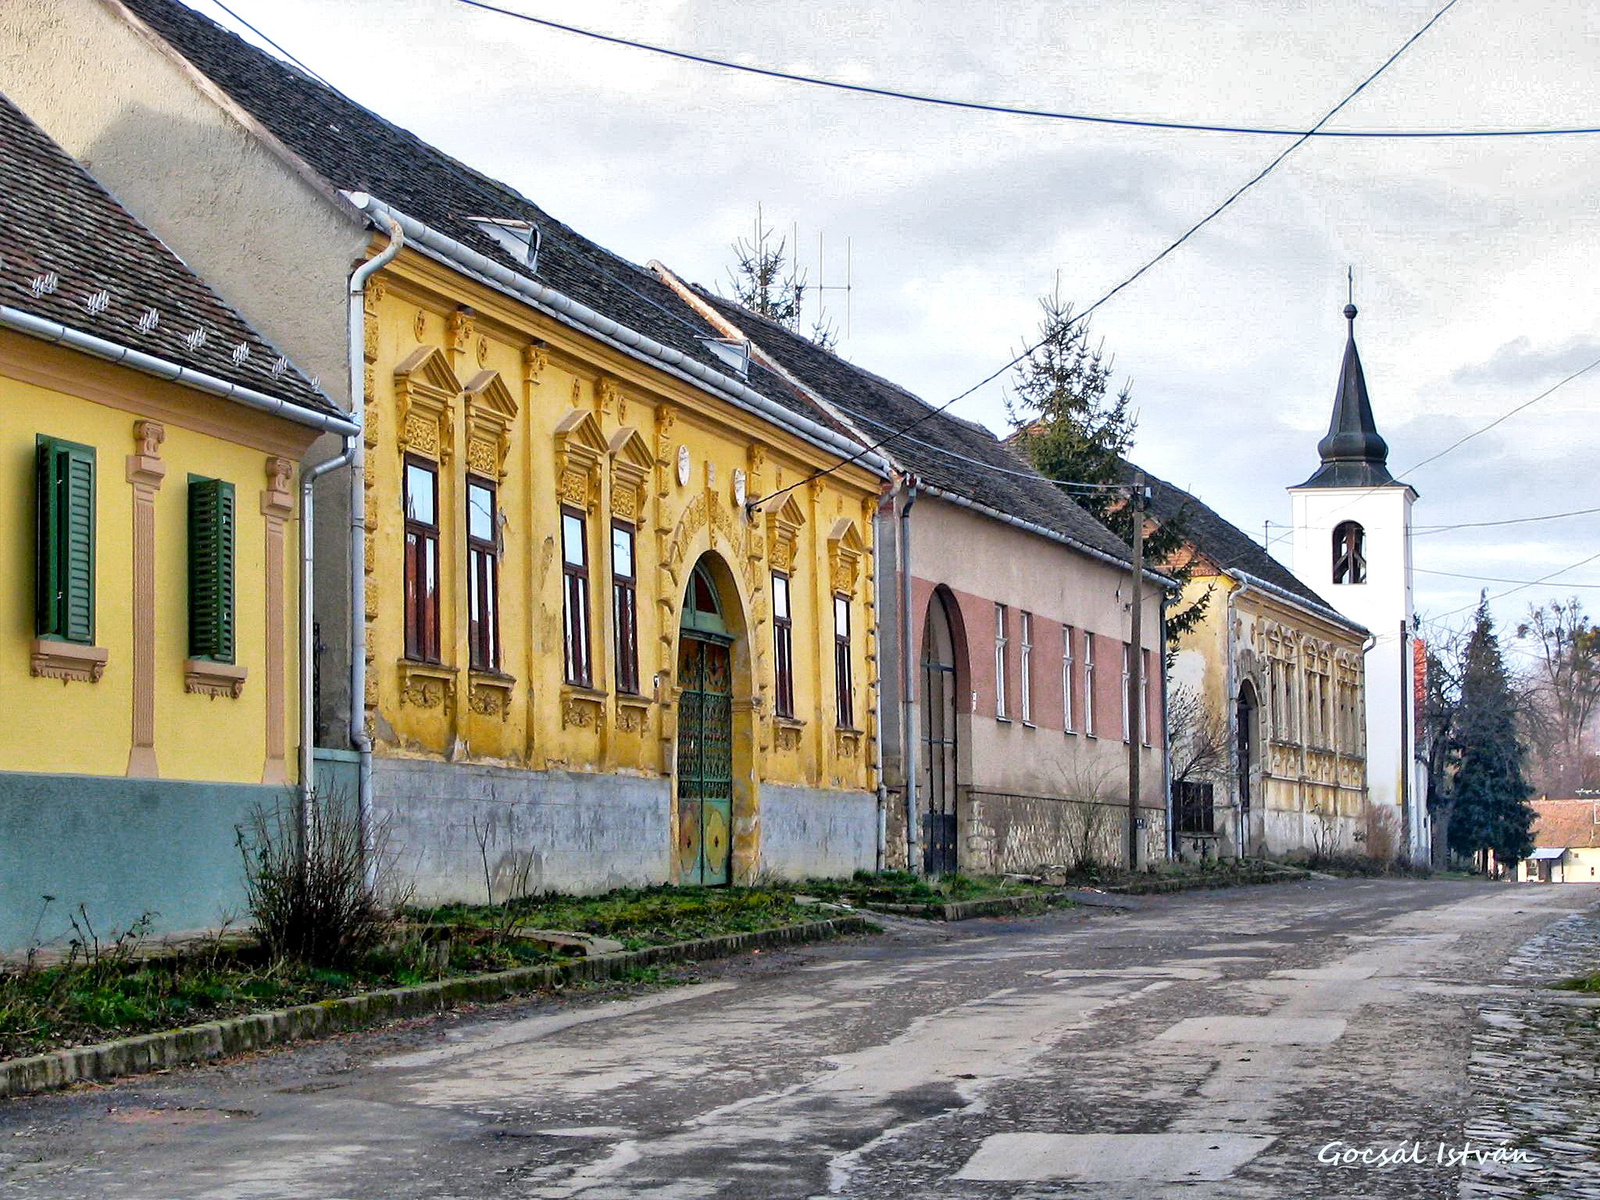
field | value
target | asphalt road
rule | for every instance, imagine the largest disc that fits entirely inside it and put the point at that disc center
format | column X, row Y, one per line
column 1211, row 1044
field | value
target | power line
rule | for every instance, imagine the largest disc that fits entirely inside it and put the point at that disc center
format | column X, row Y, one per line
column 1577, row 512
column 274, row 45
column 1510, row 591
column 1500, row 579
column 1171, row 246
column 1009, row 110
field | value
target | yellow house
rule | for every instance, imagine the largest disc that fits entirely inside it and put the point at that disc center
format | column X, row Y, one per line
column 150, row 441
column 1267, row 704
column 598, row 653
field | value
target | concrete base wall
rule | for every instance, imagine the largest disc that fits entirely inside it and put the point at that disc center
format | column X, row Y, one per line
column 122, row 848
column 810, row 832
column 1002, row 832
column 540, row 831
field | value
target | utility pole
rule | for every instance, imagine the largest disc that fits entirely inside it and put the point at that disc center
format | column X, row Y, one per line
column 1135, row 668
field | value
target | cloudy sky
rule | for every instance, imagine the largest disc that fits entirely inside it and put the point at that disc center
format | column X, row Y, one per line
column 1475, row 260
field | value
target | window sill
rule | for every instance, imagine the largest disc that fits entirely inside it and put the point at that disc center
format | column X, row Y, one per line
column 847, row 742
column 202, row 677
column 582, row 707
column 426, row 685
column 633, row 700
column 489, row 693
column 1002, row 719
column 1029, row 725
column 68, row 661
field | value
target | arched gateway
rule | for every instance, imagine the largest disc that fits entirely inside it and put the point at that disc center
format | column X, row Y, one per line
column 705, row 734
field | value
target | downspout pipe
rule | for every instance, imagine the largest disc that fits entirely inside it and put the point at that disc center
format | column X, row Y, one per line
column 1166, row 729
column 908, row 704
column 357, row 456
column 886, row 504
column 308, row 757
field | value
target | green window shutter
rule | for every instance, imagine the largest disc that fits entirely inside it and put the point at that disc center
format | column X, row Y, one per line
column 66, row 541
column 211, row 536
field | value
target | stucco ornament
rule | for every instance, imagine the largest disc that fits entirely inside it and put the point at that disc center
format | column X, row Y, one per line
column 683, row 466
column 738, row 487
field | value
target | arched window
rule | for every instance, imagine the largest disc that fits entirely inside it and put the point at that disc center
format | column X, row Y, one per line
column 1349, row 553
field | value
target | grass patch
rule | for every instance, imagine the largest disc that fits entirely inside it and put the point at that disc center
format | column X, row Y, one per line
column 79, row 1003
column 1584, row 983
column 636, row 917
column 1362, row 866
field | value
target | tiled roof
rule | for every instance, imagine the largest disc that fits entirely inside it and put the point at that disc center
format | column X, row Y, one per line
column 1223, row 542
column 953, row 455
column 353, row 149
column 1566, row 823
column 70, row 253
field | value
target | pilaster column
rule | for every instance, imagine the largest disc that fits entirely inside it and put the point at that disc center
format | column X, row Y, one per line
column 277, row 505
column 145, row 472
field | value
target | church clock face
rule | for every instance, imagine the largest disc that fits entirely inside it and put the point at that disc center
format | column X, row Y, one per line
column 683, row 466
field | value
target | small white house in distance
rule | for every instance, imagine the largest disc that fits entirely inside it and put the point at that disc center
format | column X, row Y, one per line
column 1566, row 838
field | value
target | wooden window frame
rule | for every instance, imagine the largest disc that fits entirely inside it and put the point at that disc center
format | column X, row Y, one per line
column 1066, row 679
column 1127, row 689
column 1025, row 667
column 1002, row 646
column 65, row 483
column 1091, row 706
column 843, row 674
column 783, row 647
column 483, row 582
column 625, row 611
column 421, row 610
column 212, row 560
column 577, row 641
column 1147, row 710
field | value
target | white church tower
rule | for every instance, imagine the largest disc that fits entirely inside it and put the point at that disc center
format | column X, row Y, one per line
column 1352, row 545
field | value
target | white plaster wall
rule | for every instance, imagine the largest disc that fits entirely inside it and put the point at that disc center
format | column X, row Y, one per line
column 1382, row 604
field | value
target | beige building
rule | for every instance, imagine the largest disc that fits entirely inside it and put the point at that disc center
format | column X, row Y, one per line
column 1566, row 839
column 1269, row 687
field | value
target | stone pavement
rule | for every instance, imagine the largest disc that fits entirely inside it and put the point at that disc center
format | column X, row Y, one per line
column 1201, row 1045
column 1535, row 1071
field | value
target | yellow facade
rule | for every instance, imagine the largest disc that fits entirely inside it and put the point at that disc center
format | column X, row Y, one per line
column 134, row 704
column 479, row 386
column 1303, row 679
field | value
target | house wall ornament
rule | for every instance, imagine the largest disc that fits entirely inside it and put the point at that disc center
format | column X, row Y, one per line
column 491, row 414
column 683, row 466
column 845, row 548
column 580, row 450
column 738, row 487
column 783, row 533
column 425, row 388
column 631, row 461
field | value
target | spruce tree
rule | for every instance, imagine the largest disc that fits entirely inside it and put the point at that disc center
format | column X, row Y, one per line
column 1490, row 795
column 1075, row 430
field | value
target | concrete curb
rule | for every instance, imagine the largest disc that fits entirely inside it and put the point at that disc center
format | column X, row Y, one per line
column 235, row 1035
column 967, row 910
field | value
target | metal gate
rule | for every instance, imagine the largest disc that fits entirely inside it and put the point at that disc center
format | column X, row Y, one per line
column 937, row 771
column 705, row 761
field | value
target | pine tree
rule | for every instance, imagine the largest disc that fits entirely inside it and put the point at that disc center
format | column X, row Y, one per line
column 766, row 281
column 1490, row 808
column 1075, row 430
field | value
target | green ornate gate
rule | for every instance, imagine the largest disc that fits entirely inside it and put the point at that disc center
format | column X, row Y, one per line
column 705, row 740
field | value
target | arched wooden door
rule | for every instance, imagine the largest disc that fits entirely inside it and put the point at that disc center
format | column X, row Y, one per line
column 937, row 769
column 1246, row 733
column 705, row 737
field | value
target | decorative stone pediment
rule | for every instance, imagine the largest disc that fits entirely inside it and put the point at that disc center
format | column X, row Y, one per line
column 845, row 549
column 491, row 411
column 580, row 449
column 783, row 533
column 425, row 391
column 631, row 461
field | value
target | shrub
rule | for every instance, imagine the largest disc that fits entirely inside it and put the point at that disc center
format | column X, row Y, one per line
column 309, row 890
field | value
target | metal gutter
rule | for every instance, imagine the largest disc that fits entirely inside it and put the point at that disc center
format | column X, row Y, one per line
column 161, row 368
column 1302, row 604
column 1041, row 531
column 469, row 262
column 359, row 737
